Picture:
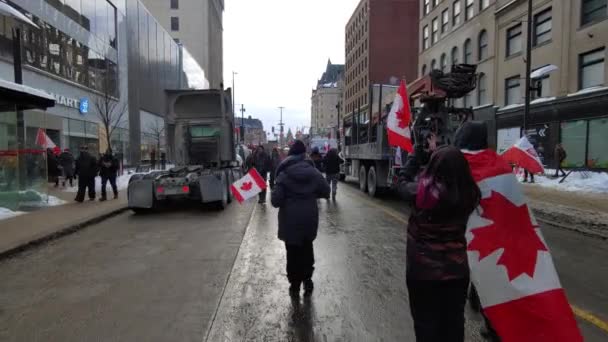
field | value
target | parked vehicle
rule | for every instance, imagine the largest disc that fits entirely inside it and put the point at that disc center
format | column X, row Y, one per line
column 202, row 126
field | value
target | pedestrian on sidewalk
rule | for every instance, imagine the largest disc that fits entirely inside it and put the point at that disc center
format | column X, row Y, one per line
column 86, row 170
column 260, row 161
column 332, row 164
column 108, row 170
column 317, row 159
column 275, row 159
column 559, row 155
column 153, row 159
column 53, row 169
column 298, row 186
column 437, row 270
column 66, row 159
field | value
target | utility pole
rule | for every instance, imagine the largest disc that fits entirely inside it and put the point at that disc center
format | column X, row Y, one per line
column 242, row 123
column 528, row 69
column 281, row 124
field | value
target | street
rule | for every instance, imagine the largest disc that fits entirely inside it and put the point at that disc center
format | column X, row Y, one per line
column 192, row 275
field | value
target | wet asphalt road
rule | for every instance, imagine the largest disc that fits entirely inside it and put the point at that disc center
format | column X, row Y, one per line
column 176, row 276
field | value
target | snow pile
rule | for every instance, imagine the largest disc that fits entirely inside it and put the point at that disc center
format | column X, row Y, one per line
column 35, row 199
column 7, row 213
column 578, row 181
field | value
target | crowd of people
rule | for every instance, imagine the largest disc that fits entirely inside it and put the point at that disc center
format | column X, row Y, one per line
column 85, row 168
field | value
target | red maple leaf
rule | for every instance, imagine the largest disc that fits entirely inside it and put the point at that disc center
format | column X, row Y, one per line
column 402, row 118
column 512, row 230
column 247, row 186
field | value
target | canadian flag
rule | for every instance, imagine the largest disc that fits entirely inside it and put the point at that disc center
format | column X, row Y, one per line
column 398, row 121
column 524, row 155
column 248, row 186
column 43, row 140
column 510, row 263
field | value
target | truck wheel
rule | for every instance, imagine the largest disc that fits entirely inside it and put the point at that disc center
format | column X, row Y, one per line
column 363, row 178
column 372, row 185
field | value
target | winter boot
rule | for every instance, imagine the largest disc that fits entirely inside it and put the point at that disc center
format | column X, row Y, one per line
column 294, row 290
column 103, row 199
column 308, row 287
column 116, row 195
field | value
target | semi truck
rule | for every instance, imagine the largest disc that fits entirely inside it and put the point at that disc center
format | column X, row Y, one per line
column 368, row 157
column 201, row 127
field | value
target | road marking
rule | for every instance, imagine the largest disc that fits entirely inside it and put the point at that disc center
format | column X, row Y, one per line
column 582, row 314
column 591, row 318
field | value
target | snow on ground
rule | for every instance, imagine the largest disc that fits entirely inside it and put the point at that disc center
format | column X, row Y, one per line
column 122, row 182
column 578, row 181
column 7, row 213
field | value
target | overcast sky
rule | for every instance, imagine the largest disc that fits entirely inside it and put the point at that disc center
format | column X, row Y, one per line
column 279, row 49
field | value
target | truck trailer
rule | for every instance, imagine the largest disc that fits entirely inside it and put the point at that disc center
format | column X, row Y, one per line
column 201, row 125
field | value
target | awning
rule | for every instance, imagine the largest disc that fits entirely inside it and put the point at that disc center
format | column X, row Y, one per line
column 23, row 97
column 10, row 11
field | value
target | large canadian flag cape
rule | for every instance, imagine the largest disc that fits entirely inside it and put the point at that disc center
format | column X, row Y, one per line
column 248, row 186
column 524, row 155
column 398, row 121
column 510, row 263
column 42, row 139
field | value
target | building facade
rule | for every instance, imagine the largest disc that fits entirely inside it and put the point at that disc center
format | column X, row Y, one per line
column 380, row 41
column 325, row 100
column 254, row 131
column 198, row 24
column 568, row 104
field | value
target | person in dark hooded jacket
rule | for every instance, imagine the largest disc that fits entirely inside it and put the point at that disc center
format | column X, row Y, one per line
column 260, row 161
column 298, row 186
column 66, row 160
column 86, row 169
column 108, row 170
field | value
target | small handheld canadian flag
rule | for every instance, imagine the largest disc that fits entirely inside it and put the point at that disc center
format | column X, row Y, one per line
column 248, row 186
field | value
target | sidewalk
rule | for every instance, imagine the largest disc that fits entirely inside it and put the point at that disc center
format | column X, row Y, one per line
column 34, row 227
column 583, row 212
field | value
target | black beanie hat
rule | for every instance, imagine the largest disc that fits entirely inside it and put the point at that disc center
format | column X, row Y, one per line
column 473, row 136
column 298, row 147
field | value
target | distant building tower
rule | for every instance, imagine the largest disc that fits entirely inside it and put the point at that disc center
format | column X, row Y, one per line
column 326, row 98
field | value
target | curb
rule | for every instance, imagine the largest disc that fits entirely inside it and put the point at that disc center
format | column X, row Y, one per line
column 68, row 230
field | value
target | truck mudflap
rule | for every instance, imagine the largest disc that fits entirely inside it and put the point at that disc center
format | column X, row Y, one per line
column 213, row 187
column 141, row 194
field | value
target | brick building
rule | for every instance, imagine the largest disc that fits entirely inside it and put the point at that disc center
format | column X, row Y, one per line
column 381, row 47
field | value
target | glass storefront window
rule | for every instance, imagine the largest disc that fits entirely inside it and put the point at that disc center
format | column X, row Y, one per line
column 573, row 137
column 598, row 143
column 9, row 163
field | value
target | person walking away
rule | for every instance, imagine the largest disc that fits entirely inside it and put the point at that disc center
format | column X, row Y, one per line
column 53, row 170
column 153, row 160
column 298, row 186
column 163, row 160
column 108, row 170
column 86, row 170
column 262, row 163
column 275, row 159
column 332, row 164
column 317, row 159
column 559, row 155
column 66, row 159
column 437, row 270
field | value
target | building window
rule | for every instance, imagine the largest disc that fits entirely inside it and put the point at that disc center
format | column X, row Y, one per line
column 176, row 40
column 483, row 4
column 174, row 24
column 455, row 56
column 514, row 40
column 174, row 4
column 469, row 10
column 482, row 90
column 542, row 27
column 433, row 65
column 512, row 92
column 423, row 70
column 593, row 11
column 545, row 87
column 456, row 13
column 483, row 45
column 435, row 36
column 445, row 20
column 444, row 63
column 591, row 69
column 468, row 52
column 425, row 37
column 427, row 7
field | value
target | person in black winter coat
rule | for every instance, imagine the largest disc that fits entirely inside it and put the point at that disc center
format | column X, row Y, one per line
column 298, row 186
column 275, row 162
column 332, row 162
column 108, row 170
column 260, row 161
column 66, row 159
column 317, row 159
column 53, row 170
column 86, row 170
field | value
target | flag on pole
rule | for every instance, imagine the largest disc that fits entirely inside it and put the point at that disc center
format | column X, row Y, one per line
column 524, row 155
column 43, row 140
column 248, row 186
column 398, row 121
column 511, row 265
